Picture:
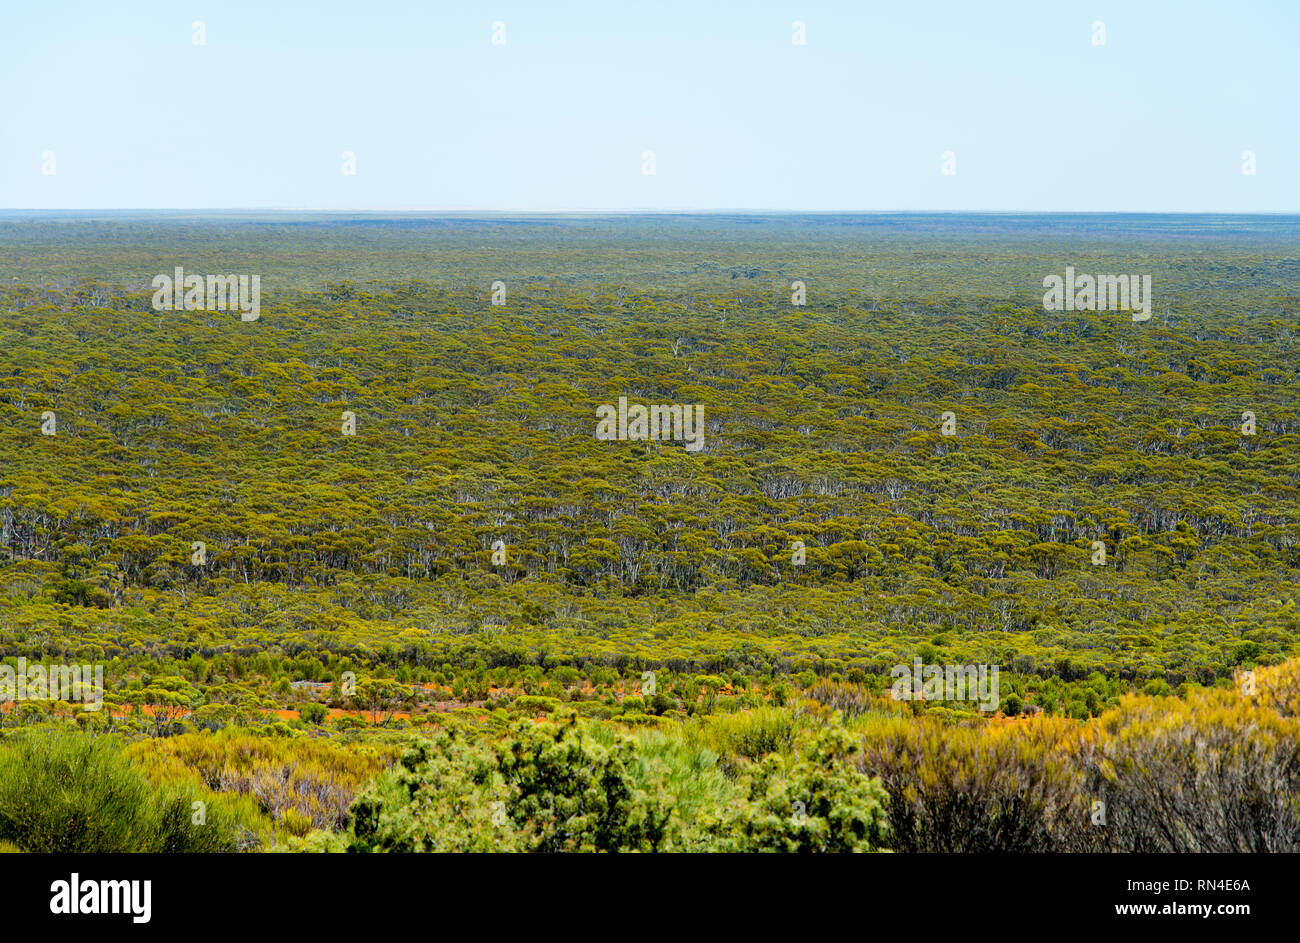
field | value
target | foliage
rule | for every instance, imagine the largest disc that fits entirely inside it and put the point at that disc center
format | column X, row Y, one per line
column 544, row 788
column 972, row 789
column 66, row 791
column 1212, row 773
column 349, row 592
column 298, row 782
column 806, row 802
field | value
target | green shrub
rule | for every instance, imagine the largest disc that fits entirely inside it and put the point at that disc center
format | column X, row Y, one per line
column 805, row 802
column 62, row 790
column 313, row 713
column 636, row 719
column 659, row 704
column 535, row 704
column 751, row 734
column 546, row 787
column 568, row 792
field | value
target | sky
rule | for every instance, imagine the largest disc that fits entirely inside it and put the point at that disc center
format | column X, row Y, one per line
column 115, row 105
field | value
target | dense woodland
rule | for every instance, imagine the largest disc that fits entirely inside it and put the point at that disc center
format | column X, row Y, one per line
column 331, row 557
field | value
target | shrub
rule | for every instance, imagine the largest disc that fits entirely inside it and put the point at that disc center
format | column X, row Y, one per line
column 978, row 789
column 637, row 719
column 1278, row 687
column 317, row 779
column 62, row 790
column 438, row 798
column 805, row 802
column 751, row 734
column 313, row 713
column 851, row 700
column 660, row 703
column 1213, row 773
column 548, row 788
column 568, row 792
column 535, row 704
column 689, row 777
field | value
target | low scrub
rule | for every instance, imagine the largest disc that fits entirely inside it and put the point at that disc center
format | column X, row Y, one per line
column 300, row 783
column 568, row 787
column 63, row 790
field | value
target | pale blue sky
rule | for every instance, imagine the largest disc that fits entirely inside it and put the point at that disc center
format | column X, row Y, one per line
column 738, row 117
